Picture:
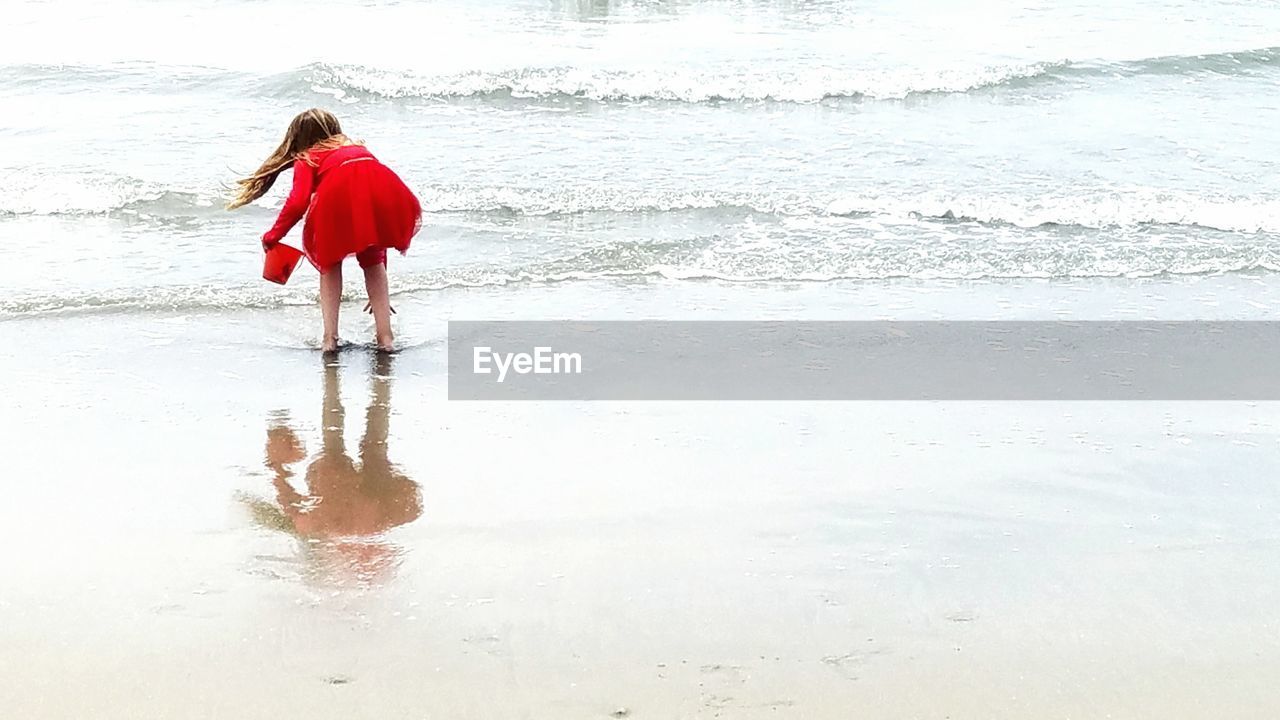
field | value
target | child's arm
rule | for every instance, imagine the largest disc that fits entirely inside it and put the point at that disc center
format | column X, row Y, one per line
column 295, row 206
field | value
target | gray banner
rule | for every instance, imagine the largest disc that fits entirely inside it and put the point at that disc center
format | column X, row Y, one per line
column 786, row 360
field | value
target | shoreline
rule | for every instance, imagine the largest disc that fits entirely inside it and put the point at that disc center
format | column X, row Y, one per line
column 574, row 559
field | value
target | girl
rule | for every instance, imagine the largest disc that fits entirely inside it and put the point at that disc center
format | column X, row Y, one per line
column 354, row 205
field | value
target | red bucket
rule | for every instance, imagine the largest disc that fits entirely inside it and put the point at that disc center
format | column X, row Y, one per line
column 280, row 263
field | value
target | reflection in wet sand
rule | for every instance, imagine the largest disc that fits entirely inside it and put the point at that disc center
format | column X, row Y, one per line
column 346, row 505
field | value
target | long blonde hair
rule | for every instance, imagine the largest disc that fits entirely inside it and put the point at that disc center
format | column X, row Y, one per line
column 311, row 130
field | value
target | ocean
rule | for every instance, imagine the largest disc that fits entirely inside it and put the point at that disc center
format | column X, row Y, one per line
column 726, row 141
column 621, row 160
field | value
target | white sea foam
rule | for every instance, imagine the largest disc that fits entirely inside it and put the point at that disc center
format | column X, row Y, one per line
column 733, row 83
column 89, row 194
column 1084, row 208
column 728, row 263
column 73, row 194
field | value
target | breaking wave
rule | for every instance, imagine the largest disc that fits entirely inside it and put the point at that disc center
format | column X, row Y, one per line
column 75, row 195
column 793, row 258
column 721, row 83
column 747, row 84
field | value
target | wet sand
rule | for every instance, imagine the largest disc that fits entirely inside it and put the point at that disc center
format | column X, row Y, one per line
column 589, row 560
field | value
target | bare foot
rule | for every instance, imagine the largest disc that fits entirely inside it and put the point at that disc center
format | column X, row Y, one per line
column 330, row 344
column 386, row 343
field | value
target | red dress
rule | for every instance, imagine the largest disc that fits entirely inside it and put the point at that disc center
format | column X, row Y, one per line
column 354, row 205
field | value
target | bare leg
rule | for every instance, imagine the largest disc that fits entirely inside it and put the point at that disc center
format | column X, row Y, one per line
column 375, row 283
column 333, row 417
column 377, row 418
column 330, row 298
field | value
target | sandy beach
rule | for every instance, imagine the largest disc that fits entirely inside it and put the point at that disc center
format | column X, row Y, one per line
column 583, row 560
column 204, row 518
